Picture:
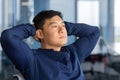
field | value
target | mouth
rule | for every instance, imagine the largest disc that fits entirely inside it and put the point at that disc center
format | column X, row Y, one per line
column 61, row 37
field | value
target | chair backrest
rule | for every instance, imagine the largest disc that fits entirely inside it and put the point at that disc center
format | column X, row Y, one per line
column 18, row 77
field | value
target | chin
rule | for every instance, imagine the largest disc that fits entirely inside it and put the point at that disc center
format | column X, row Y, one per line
column 63, row 44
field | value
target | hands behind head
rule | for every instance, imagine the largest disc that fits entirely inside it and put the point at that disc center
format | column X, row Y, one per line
column 35, row 36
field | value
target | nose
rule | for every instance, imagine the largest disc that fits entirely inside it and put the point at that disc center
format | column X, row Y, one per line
column 61, row 29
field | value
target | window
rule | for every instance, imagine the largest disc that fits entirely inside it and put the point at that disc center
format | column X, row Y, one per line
column 88, row 12
column 117, row 24
column 117, row 20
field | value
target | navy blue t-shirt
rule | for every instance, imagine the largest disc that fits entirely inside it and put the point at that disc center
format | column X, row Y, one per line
column 47, row 64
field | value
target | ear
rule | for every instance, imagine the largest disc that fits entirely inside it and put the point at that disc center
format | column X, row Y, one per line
column 39, row 35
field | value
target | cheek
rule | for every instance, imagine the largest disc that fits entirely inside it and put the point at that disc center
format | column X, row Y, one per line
column 52, row 35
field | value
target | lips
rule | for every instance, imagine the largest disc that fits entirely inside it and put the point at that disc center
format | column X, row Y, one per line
column 62, row 37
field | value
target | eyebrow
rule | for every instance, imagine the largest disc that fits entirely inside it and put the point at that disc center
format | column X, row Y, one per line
column 55, row 23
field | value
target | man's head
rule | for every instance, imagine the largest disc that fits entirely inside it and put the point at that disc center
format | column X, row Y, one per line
column 39, row 19
column 50, row 29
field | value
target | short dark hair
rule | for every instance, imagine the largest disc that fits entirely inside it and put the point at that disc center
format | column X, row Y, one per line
column 39, row 19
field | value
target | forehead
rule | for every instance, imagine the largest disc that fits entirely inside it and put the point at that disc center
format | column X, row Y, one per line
column 54, row 19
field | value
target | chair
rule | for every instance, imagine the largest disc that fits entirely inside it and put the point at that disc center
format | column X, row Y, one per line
column 18, row 77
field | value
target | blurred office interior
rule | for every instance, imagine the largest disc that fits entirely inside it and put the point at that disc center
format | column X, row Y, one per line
column 104, row 61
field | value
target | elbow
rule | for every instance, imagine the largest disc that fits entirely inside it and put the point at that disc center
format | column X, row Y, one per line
column 96, row 34
column 98, row 31
column 5, row 35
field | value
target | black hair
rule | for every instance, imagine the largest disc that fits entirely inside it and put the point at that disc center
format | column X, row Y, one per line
column 39, row 19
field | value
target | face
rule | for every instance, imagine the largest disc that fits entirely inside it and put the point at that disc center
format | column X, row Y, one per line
column 54, row 32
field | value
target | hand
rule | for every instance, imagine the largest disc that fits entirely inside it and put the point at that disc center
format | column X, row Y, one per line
column 35, row 36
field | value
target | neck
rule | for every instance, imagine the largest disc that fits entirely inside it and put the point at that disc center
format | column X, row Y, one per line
column 55, row 48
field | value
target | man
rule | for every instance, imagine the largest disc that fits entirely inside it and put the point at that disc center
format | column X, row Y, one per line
column 54, row 60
